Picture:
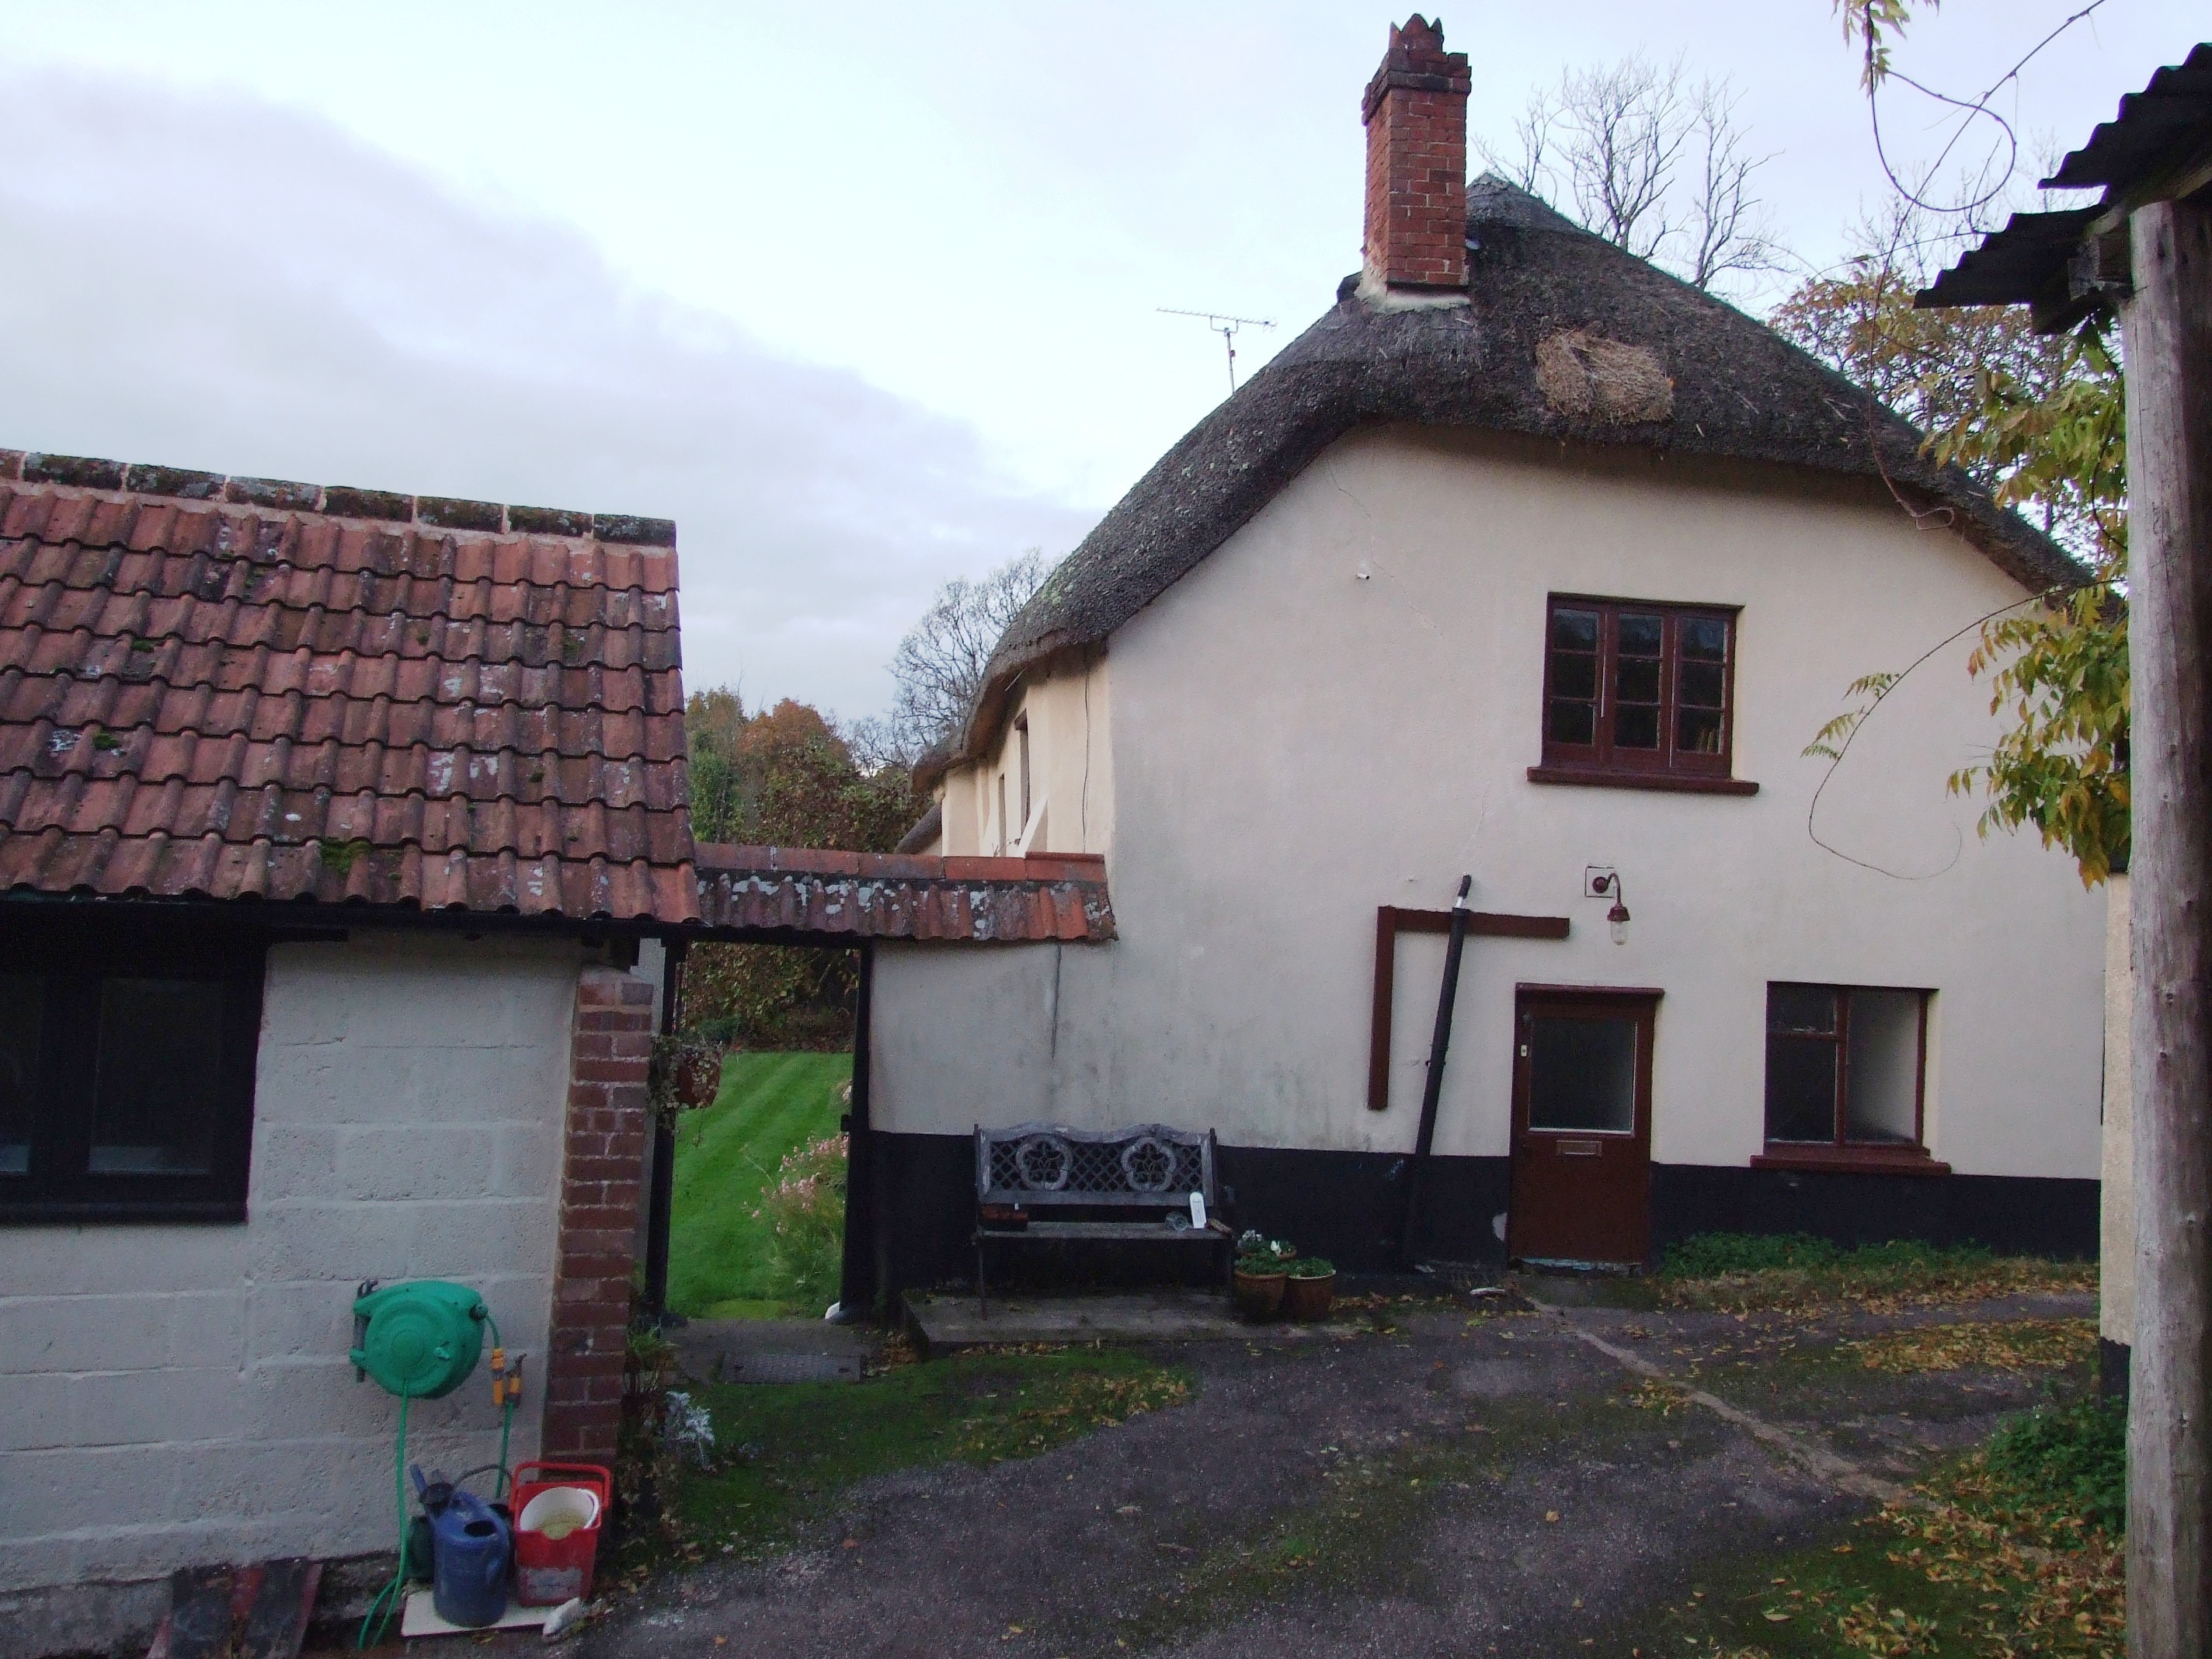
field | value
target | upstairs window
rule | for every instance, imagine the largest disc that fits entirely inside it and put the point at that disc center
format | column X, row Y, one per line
column 1643, row 691
column 126, row 1071
column 1846, row 1067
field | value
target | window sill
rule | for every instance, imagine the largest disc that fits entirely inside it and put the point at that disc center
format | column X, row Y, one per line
column 1687, row 783
column 1851, row 1160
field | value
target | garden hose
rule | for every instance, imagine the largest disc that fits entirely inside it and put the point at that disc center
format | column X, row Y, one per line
column 507, row 1394
column 389, row 1597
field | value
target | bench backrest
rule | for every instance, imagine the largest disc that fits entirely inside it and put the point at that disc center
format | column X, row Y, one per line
column 1045, row 1166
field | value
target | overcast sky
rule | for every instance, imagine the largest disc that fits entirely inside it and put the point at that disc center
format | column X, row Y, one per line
column 863, row 296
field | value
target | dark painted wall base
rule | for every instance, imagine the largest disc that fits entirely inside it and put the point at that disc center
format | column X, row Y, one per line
column 2016, row 1214
column 1348, row 1207
column 2112, row 1370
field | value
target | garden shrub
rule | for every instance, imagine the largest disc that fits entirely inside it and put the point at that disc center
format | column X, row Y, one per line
column 807, row 1208
column 1709, row 1255
column 2070, row 1458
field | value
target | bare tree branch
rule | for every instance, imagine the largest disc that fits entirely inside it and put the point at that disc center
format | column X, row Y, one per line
column 1652, row 163
column 939, row 664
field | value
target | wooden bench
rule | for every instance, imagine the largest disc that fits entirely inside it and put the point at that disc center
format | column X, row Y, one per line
column 1041, row 1184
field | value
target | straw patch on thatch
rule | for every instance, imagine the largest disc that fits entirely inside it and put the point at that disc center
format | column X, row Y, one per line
column 1587, row 377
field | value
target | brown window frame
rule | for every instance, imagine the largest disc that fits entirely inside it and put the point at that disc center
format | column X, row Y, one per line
column 1839, row 1151
column 1603, row 759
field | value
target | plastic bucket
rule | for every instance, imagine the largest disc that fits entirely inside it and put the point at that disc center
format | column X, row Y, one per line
column 568, row 1499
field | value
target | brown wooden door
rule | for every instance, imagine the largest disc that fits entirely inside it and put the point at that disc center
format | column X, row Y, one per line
column 1582, row 1126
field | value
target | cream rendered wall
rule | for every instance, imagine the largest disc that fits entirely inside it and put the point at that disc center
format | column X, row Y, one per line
column 171, row 1396
column 1070, row 772
column 1337, row 710
column 2116, row 1198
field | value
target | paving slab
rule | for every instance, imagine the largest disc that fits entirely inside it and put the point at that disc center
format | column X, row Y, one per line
column 772, row 1350
column 949, row 1324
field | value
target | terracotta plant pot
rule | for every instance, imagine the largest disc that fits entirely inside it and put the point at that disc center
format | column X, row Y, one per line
column 699, row 1078
column 1260, row 1296
column 1310, row 1299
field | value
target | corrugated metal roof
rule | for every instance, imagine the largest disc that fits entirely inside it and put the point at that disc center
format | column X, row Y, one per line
column 905, row 895
column 2024, row 262
column 235, row 688
column 2166, row 125
column 2166, row 122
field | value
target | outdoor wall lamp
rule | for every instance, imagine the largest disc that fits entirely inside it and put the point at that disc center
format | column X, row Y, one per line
column 1617, row 918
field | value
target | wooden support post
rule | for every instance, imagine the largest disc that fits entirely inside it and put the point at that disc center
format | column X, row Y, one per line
column 2168, row 325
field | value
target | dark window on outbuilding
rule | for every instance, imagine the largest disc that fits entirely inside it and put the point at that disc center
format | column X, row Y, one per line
column 1845, row 1066
column 1638, row 688
column 127, row 1056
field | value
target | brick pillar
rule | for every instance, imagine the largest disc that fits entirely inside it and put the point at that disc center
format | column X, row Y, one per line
column 602, row 1170
column 1415, row 110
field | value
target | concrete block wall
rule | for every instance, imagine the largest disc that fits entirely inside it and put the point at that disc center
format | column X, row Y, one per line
column 174, row 1395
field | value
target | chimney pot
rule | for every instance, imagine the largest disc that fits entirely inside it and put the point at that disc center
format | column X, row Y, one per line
column 1415, row 112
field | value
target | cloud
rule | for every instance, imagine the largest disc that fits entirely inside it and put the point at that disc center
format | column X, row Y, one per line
column 217, row 282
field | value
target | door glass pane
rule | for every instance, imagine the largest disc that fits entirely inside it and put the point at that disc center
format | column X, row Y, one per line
column 1582, row 1074
column 157, row 1076
column 22, row 999
column 1885, row 1070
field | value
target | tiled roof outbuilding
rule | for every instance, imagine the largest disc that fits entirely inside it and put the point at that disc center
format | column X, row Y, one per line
column 827, row 895
column 237, row 688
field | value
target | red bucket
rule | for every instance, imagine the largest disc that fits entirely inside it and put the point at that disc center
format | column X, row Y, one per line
column 549, row 1571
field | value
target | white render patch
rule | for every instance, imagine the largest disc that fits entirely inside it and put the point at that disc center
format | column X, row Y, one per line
column 181, row 1394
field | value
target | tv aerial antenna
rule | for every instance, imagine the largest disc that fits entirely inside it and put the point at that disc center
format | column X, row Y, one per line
column 1226, row 327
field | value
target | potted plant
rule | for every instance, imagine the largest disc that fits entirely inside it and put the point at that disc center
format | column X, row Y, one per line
column 1261, row 1278
column 1310, row 1287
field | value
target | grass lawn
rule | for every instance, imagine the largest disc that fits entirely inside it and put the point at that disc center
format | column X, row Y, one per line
column 726, row 1155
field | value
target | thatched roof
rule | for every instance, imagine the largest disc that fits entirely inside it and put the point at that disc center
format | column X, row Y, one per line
column 1565, row 336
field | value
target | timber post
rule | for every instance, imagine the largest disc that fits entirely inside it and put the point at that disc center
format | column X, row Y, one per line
column 2168, row 340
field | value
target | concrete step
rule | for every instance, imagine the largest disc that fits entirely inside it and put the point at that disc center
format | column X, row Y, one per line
column 772, row 1350
column 950, row 1324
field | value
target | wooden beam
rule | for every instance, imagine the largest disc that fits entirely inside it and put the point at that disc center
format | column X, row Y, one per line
column 1390, row 921
column 2168, row 326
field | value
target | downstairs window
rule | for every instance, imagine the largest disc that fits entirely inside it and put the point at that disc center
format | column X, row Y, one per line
column 126, row 1070
column 1846, row 1069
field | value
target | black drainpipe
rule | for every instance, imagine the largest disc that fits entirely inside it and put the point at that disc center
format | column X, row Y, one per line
column 1439, row 1043
column 661, row 1198
column 859, row 1286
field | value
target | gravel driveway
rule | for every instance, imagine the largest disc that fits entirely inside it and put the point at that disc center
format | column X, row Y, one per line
column 1462, row 1483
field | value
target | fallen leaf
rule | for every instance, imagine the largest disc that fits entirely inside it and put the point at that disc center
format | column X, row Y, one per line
column 1773, row 1618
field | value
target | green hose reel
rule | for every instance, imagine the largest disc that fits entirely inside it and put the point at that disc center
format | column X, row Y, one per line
column 419, row 1339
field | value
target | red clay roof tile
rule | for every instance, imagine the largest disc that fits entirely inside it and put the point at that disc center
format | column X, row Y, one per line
column 254, row 688
column 895, row 895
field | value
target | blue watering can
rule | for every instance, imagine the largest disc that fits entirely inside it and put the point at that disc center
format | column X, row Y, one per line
column 472, row 1548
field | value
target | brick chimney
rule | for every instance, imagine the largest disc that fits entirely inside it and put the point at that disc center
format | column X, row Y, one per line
column 1415, row 111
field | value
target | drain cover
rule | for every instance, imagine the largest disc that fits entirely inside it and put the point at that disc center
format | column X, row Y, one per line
column 795, row 1368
